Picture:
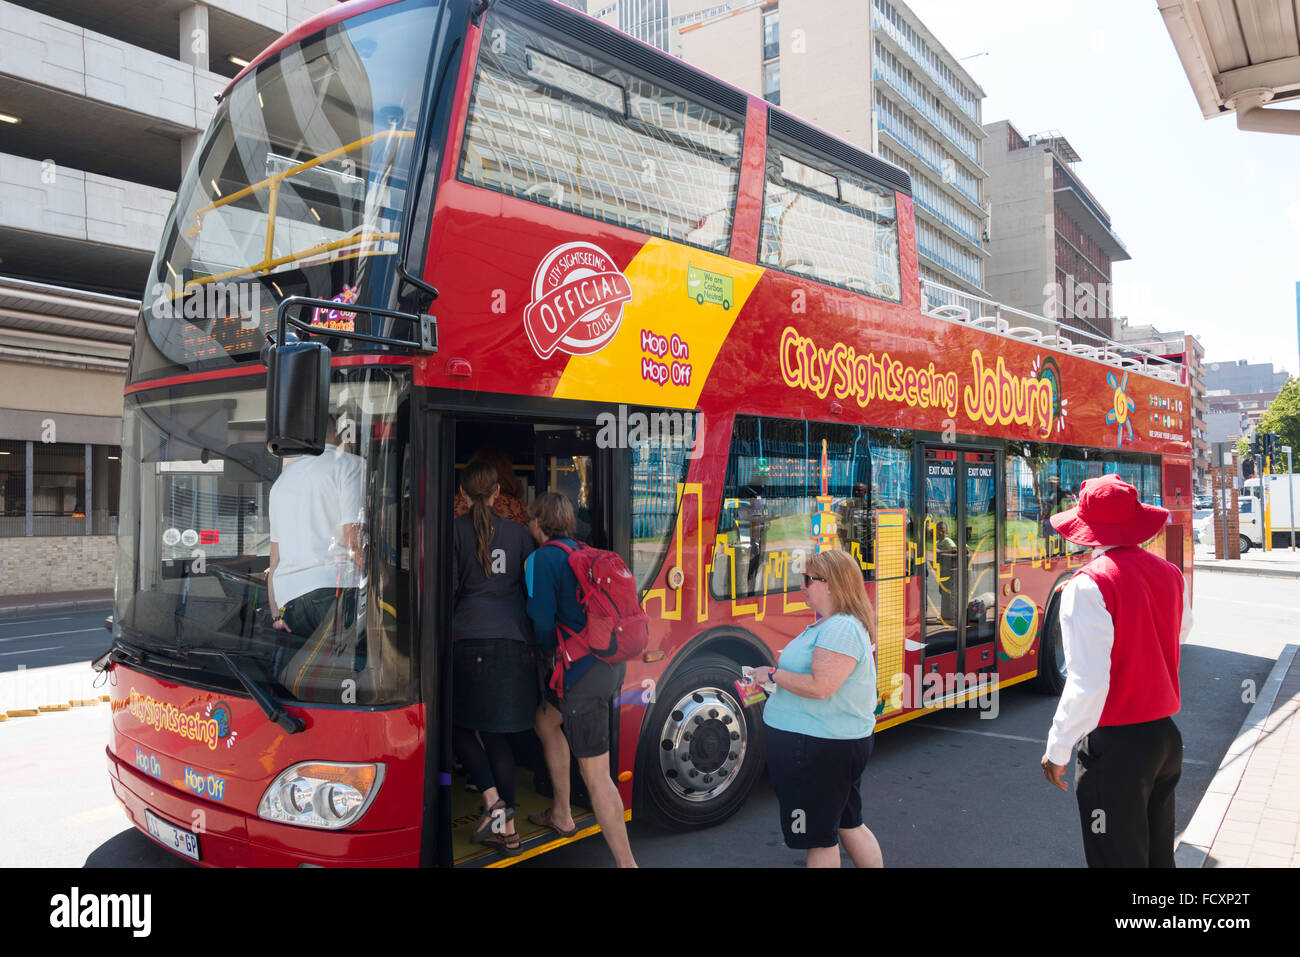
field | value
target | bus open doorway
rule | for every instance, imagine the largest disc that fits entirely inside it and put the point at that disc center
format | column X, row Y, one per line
column 550, row 456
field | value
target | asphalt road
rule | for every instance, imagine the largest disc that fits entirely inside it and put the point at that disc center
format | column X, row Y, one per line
column 58, row 638
column 949, row 789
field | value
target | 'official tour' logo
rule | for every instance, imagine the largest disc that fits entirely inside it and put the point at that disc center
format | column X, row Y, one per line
column 578, row 297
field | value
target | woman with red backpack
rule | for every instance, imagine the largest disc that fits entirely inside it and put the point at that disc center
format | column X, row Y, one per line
column 577, row 718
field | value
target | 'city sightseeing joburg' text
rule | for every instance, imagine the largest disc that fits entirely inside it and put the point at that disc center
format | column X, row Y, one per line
column 993, row 396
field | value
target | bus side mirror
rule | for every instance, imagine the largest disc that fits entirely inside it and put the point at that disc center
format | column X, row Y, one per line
column 297, row 397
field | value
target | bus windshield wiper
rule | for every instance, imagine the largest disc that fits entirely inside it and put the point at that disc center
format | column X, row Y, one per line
column 291, row 723
column 131, row 655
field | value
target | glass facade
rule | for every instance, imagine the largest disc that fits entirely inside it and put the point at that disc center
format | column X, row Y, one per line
column 937, row 144
column 647, row 20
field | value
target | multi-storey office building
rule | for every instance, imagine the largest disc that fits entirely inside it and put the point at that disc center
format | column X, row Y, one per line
column 103, row 105
column 1051, row 243
column 872, row 73
column 1244, row 378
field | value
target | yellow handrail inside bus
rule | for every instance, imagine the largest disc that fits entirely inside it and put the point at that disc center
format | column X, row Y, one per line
column 272, row 183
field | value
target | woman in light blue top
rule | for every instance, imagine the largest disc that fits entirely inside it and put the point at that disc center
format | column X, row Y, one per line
column 820, row 717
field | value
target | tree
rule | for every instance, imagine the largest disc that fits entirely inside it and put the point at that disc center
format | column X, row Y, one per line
column 1283, row 419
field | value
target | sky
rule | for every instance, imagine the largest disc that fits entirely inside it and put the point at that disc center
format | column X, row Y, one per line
column 1210, row 214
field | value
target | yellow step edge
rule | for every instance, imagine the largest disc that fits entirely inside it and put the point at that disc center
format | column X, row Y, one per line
column 22, row 712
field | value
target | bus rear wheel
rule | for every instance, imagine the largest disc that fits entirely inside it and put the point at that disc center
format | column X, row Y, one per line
column 704, row 749
column 1051, row 654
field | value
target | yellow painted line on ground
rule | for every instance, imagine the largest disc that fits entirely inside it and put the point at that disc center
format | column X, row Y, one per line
column 55, row 707
column 22, row 712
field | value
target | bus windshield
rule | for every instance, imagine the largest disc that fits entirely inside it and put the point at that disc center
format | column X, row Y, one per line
column 208, row 513
column 298, row 189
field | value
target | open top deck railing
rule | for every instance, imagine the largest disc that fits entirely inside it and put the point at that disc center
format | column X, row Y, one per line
column 953, row 305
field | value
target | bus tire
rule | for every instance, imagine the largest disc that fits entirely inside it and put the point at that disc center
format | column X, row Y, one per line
column 1243, row 544
column 702, row 750
column 1050, row 679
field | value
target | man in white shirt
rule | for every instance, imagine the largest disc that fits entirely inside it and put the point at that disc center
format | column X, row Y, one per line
column 1123, row 619
column 317, row 517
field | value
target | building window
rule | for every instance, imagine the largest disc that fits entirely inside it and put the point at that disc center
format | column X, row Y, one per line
column 61, row 501
column 13, row 489
column 772, row 35
column 772, row 82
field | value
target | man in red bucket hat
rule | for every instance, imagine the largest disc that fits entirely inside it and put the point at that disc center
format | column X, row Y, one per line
column 1123, row 617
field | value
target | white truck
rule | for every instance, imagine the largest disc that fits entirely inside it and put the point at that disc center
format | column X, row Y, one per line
column 1250, row 521
column 1283, row 492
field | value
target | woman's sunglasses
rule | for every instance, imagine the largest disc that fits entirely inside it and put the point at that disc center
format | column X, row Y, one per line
column 809, row 579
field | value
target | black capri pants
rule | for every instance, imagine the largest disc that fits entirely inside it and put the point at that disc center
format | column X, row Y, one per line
column 816, row 783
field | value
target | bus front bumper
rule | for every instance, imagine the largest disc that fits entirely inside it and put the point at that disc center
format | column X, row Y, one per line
column 229, row 838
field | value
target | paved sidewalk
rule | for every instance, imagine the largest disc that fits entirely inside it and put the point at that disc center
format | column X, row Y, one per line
column 21, row 606
column 1277, row 563
column 1250, row 815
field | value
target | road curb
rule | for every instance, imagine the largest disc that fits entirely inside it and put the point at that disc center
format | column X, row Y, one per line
column 1239, row 570
column 86, row 604
column 1198, row 837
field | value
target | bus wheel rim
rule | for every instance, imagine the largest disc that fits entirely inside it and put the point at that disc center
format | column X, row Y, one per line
column 702, row 744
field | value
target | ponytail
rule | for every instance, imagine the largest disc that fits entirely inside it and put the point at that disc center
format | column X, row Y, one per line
column 479, row 481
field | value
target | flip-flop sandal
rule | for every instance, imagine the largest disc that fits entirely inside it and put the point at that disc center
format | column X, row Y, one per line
column 543, row 819
column 483, row 834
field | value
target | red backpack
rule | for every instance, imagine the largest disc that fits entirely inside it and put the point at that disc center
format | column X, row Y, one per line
column 618, row 629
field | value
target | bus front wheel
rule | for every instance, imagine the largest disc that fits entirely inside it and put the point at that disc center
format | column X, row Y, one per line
column 704, row 749
column 1243, row 544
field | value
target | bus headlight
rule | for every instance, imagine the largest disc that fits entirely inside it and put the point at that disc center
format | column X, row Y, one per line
column 325, row 794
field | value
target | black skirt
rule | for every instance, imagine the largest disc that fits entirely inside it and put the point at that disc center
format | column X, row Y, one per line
column 494, row 685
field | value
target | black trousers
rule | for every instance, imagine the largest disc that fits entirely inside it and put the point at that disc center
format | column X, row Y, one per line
column 1124, row 783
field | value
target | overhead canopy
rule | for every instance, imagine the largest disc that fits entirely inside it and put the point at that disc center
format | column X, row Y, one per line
column 1239, row 55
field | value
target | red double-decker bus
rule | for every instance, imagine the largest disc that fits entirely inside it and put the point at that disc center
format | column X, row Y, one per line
column 469, row 224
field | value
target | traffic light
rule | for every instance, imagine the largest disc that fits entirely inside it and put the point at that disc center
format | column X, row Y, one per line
column 1256, row 445
column 1248, row 468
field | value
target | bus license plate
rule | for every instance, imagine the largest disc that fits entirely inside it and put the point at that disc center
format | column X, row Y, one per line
column 173, row 837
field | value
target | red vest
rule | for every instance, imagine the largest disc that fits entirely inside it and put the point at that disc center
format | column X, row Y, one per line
column 1144, row 595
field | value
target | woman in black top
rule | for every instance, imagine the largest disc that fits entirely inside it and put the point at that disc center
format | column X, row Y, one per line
column 494, row 669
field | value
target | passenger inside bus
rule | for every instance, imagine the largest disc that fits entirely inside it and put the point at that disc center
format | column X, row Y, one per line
column 317, row 561
column 530, row 459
